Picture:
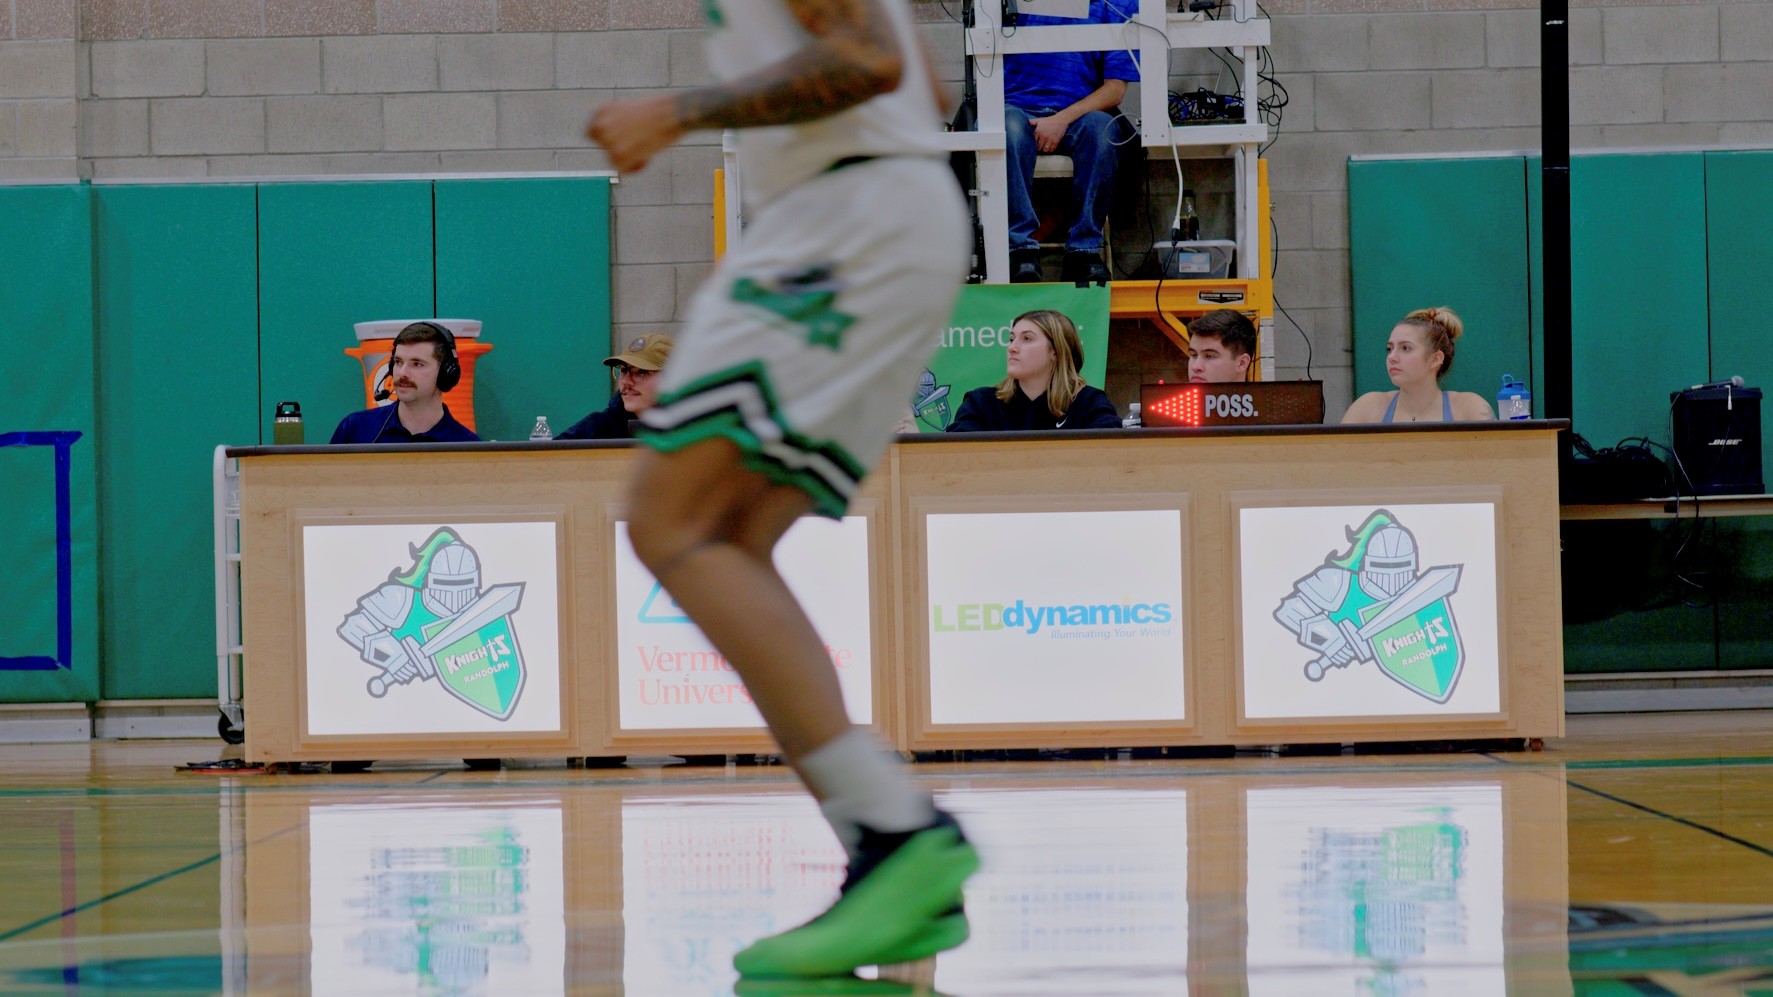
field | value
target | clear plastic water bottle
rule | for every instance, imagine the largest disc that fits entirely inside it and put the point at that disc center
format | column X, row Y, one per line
column 1133, row 419
column 1513, row 401
column 541, row 432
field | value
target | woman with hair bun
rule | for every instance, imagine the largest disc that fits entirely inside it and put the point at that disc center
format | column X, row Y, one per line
column 1418, row 355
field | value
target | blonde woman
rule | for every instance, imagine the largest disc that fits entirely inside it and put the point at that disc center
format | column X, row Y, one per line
column 1418, row 355
column 1042, row 388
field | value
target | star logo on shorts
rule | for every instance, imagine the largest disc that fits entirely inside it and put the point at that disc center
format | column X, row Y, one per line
column 806, row 301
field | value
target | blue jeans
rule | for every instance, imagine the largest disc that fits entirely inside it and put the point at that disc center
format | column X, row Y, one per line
column 1090, row 142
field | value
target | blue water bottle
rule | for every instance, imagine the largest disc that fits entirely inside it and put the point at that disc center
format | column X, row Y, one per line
column 1514, row 401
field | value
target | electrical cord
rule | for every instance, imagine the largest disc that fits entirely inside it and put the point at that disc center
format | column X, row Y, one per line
column 1308, row 354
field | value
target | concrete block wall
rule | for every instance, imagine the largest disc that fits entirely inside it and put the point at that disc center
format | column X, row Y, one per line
column 215, row 88
column 39, row 89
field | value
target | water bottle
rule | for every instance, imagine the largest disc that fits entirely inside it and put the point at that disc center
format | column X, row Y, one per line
column 1514, row 401
column 1132, row 421
column 286, row 424
column 541, row 432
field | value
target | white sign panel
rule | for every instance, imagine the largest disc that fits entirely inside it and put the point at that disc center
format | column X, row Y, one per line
column 704, row 876
column 1384, row 891
column 1361, row 610
column 436, row 900
column 422, row 628
column 1056, row 909
column 671, row 678
column 1055, row 617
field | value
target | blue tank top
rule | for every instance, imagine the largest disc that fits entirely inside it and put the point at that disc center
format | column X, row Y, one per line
column 1446, row 408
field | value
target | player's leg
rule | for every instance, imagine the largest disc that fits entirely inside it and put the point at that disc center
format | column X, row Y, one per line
column 706, row 527
column 696, row 520
column 769, row 411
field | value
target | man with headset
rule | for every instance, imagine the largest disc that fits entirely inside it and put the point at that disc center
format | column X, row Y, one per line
column 422, row 367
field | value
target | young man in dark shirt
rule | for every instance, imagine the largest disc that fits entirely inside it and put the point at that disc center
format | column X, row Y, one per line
column 422, row 367
column 637, row 389
column 1221, row 345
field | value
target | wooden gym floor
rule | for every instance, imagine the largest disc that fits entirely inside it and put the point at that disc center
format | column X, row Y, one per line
column 1633, row 857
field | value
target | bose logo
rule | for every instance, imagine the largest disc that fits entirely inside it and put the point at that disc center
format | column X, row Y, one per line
column 1723, row 442
column 1231, row 405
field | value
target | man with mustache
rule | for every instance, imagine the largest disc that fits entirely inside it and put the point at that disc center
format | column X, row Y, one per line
column 422, row 367
column 637, row 389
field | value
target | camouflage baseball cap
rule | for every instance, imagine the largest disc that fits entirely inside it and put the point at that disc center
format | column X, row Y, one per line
column 648, row 352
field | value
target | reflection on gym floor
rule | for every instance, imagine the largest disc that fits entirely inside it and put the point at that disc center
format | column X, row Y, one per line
column 1426, row 875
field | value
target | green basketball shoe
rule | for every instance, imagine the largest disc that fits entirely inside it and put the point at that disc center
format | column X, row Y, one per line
column 901, row 902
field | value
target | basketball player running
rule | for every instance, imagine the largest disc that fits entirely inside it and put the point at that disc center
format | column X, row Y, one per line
column 797, row 357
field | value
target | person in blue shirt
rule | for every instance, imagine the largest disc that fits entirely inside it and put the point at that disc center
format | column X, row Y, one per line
column 637, row 389
column 1042, row 388
column 422, row 367
column 1065, row 103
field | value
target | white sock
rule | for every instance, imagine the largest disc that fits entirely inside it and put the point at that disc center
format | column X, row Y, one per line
column 860, row 782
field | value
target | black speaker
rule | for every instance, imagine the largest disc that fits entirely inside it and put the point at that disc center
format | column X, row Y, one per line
column 1717, row 438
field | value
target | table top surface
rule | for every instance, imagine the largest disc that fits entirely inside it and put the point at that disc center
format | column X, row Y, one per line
column 946, row 439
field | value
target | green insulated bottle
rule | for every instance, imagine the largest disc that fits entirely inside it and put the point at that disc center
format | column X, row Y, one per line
column 286, row 429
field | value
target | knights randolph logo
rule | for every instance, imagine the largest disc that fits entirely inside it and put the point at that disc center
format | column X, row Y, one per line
column 434, row 621
column 1370, row 605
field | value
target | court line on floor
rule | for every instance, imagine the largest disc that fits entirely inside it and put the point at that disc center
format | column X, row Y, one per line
column 1622, row 801
column 1695, row 825
column 126, row 891
column 154, row 880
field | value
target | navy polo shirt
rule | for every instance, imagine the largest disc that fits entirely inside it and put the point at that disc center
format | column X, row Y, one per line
column 1041, row 83
column 382, row 425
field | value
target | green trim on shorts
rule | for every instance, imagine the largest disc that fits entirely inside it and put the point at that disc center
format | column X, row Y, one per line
column 729, row 423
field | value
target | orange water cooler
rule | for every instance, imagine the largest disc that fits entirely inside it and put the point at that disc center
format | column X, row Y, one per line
column 375, row 345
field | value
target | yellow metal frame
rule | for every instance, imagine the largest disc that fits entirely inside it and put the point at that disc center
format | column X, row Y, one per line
column 719, row 214
column 1168, row 302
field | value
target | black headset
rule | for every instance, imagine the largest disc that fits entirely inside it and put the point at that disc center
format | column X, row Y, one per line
column 449, row 371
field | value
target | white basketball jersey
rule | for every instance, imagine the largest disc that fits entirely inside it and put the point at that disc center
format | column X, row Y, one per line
column 747, row 35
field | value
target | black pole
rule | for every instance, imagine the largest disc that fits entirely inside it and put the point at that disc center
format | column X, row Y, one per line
column 1554, row 91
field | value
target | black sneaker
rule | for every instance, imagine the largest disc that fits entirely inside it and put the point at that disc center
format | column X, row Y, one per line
column 1085, row 268
column 1025, row 267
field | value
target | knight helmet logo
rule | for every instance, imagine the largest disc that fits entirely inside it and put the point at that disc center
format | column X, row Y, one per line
column 1371, row 605
column 433, row 621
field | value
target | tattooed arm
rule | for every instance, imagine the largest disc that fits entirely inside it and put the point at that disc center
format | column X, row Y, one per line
column 854, row 55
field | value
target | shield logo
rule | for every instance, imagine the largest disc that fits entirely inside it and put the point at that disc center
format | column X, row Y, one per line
column 477, row 657
column 1415, row 637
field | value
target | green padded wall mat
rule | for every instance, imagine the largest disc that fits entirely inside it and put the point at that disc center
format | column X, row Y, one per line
column 1739, row 216
column 1739, row 249
column 1441, row 232
column 1638, row 290
column 530, row 259
column 331, row 255
column 178, row 375
column 48, row 642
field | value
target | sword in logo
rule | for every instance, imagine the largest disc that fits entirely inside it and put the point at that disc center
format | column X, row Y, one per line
column 1435, row 583
column 497, row 601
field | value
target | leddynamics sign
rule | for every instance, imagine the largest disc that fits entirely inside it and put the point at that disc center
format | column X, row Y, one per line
column 1055, row 616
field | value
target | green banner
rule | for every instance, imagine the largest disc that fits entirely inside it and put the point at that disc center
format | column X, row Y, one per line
column 972, row 346
column 48, row 548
